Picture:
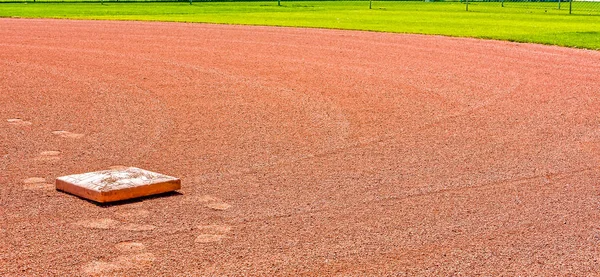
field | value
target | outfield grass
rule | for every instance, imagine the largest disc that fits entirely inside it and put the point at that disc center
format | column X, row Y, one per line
column 544, row 24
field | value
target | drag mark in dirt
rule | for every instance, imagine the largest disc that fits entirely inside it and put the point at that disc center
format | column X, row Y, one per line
column 409, row 129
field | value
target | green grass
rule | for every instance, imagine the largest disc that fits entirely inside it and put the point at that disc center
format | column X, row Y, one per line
column 542, row 24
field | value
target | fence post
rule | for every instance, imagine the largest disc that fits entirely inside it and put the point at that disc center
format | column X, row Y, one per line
column 278, row 2
column 370, row 4
column 503, row 3
column 570, row 6
column 559, row 4
column 467, row 7
column 190, row 2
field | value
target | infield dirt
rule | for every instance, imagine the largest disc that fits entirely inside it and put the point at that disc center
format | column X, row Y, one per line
column 301, row 152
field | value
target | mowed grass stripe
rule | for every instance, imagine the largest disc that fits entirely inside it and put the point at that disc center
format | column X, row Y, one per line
column 545, row 25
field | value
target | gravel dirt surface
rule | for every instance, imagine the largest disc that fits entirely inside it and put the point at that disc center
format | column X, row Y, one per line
column 301, row 152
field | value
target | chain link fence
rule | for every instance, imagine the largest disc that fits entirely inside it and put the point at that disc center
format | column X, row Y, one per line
column 564, row 6
column 589, row 7
column 582, row 7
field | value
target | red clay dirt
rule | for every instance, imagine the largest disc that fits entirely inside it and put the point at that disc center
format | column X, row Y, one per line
column 301, row 152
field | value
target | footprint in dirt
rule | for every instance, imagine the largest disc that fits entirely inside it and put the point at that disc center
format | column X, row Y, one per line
column 18, row 122
column 130, row 247
column 108, row 223
column 193, row 199
column 137, row 227
column 101, row 223
column 212, row 233
column 134, row 256
column 48, row 156
column 209, row 201
column 132, row 214
column 67, row 134
column 37, row 183
column 218, row 206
